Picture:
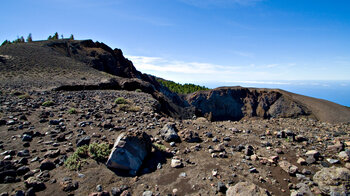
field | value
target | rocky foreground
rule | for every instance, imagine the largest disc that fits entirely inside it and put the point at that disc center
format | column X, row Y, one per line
column 42, row 131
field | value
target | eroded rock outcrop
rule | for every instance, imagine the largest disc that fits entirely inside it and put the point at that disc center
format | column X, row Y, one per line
column 235, row 103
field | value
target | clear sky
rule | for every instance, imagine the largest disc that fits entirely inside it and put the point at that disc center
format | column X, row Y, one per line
column 201, row 40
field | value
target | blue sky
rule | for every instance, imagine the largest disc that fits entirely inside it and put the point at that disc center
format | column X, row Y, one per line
column 201, row 41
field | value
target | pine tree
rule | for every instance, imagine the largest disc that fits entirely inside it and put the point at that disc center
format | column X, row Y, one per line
column 29, row 38
column 71, row 37
column 49, row 38
column 55, row 37
column 5, row 42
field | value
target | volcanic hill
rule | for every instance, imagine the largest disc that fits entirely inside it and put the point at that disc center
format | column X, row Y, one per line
column 77, row 118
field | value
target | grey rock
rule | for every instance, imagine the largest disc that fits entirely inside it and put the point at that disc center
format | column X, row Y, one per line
column 169, row 133
column 147, row 193
column 333, row 161
column 129, row 151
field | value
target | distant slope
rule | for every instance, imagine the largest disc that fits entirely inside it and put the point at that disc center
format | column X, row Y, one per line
column 323, row 110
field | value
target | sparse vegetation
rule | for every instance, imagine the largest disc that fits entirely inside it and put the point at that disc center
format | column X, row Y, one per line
column 128, row 108
column 159, row 147
column 24, row 96
column 48, row 103
column 72, row 111
column 121, row 100
column 126, row 105
column 181, row 88
column 77, row 159
column 138, row 90
column 98, row 152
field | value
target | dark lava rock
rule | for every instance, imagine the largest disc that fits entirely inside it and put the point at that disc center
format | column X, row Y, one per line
column 34, row 183
column 8, row 176
column 118, row 191
column 190, row 136
column 22, row 170
column 19, row 193
column 83, row 141
column 47, row 165
column 54, row 122
column 30, row 192
column 248, row 151
column 69, row 185
column 23, row 153
column 222, row 187
column 26, row 138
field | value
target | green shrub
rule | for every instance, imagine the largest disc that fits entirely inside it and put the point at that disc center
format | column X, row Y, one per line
column 77, row 159
column 159, row 147
column 121, row 100
column 128, row 108
column 82, row 151
column 48, row 103
column 138, row 90
column 99, row 152
column 24, row 96
column 72, row 111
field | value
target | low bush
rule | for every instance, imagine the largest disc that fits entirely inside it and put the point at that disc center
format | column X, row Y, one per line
column 159, row 147
column 98, row 152
column 72, row 111
column 48, row 103
column 121, row 100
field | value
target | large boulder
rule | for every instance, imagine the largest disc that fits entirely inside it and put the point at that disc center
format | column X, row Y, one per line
column 333, row 181
column 129, row 151
column 169, row 133
column 246, row 189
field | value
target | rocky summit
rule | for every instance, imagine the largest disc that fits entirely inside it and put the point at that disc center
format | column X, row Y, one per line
column 77, row 118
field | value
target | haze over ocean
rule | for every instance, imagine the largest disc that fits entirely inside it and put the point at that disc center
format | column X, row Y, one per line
column 335, row 91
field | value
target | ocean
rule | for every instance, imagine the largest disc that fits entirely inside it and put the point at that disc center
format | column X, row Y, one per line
column 335, row 91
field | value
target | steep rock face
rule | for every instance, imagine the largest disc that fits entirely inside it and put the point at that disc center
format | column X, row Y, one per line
column 235, row 103
column 98, row 55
